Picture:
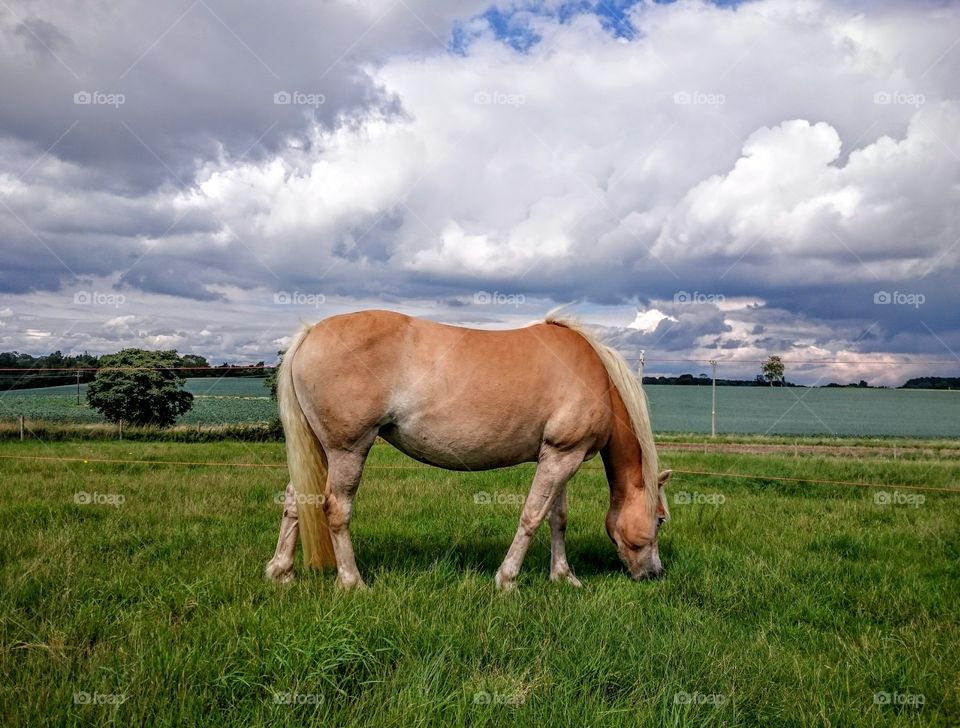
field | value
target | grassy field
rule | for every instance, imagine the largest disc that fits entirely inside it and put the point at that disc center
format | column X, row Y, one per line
column 132, row 594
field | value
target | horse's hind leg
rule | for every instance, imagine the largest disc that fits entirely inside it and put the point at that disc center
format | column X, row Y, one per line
column 343, row 478
column 280, row 567
column 554, row 469
column 559, row 568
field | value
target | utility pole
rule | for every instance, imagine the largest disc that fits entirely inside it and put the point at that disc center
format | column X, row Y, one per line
column 643, row 360
column 713, row 405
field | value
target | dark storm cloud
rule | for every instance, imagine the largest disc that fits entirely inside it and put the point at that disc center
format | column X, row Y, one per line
column 198, row 79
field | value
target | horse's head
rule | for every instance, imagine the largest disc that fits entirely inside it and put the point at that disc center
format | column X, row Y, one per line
column 634, row 524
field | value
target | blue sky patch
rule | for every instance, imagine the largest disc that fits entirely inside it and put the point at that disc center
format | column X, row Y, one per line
column 511, row 24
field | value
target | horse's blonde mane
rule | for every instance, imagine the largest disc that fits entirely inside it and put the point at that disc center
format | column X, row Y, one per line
column 632, row 394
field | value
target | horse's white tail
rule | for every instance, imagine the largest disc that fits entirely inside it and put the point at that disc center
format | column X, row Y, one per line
column 307, row 464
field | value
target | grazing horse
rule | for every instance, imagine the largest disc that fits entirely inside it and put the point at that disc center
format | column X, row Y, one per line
column 463, row 399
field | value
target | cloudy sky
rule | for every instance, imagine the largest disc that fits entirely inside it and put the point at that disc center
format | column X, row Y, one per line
column 704, row 180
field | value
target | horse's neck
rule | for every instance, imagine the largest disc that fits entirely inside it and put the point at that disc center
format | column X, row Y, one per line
column 621, row 459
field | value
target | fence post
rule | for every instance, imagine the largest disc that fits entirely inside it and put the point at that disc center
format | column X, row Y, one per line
column 121, row 429
column 713, row 403
column 21, row 428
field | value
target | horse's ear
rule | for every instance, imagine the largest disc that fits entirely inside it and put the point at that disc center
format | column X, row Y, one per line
column 663, row 511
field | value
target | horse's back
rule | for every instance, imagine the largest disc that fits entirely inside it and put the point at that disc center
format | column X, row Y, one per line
column 456, row 397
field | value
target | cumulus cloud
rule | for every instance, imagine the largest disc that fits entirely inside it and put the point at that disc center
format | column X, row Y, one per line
column 802, row 160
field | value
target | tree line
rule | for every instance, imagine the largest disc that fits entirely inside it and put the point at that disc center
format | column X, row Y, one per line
column 24, row 371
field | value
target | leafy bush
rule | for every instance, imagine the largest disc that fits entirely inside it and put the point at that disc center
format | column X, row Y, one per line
column 140, row 387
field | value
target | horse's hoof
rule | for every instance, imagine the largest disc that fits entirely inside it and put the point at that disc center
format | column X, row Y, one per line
column 357, row 584
column 503, row 584
column 278, row 574
column 569, row 578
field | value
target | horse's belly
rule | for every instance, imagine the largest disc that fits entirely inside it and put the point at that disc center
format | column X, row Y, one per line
column 462, row 448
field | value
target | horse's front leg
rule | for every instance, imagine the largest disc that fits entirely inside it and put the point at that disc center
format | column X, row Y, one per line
column 554, row 469
column 280, row 567
column 559, row 568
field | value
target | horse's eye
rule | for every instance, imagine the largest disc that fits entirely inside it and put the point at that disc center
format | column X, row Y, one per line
column 661, row 520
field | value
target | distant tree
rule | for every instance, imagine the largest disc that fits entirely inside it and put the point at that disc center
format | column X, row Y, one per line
column 932, row 383
column 271, row 381
column 56, row 360
column 140, row 387
column 48, row 370
column 773, row 370
column 197, row 365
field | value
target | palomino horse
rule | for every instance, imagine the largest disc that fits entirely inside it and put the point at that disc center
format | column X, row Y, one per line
column 463, row 399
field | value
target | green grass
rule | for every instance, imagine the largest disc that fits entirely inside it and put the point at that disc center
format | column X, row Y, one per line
column 796, row 603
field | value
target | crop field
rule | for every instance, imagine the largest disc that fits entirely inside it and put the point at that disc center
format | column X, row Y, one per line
column 225, row 401
column 763, row 410
column 132, row 594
